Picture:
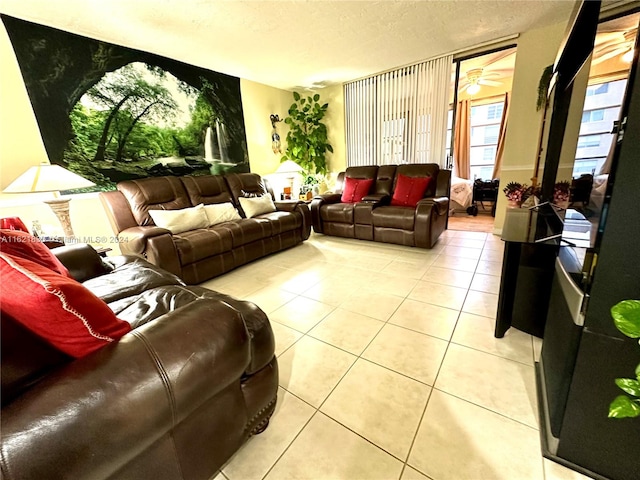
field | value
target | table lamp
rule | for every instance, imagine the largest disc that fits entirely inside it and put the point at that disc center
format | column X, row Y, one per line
column 290, row 169
column 51, row 178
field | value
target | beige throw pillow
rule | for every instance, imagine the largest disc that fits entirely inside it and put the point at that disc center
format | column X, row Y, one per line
column 257, row 206
column 221, row 212
column 178, row 221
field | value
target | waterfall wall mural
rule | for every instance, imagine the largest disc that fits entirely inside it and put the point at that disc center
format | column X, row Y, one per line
column 111, row 113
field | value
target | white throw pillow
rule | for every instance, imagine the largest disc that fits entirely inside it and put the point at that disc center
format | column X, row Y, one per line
column 178, row 221
column 257, row 206
column 221, row 212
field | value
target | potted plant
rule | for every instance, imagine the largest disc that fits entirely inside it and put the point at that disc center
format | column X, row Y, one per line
column 307, row 142
column 626, row 317
column 561, row 194
column 514, row 192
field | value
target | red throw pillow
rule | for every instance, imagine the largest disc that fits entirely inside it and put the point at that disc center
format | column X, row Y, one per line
column 355, row 189
column 58, row 309
column 25, row 245
column 409, row 190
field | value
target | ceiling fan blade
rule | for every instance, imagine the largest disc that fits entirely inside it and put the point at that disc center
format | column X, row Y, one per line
column 490, row 83
column 602, row 58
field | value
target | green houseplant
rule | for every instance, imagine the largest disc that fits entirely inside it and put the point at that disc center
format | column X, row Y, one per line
column 307, row 141
column 626, row 317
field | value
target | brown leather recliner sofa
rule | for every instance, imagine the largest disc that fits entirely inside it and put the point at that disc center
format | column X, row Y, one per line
column 200, row 254
column 375, row 217
column 173, row 398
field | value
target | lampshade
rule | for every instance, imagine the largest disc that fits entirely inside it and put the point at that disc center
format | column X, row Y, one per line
column 51, row 178
column 289, row 166
column 47, row 178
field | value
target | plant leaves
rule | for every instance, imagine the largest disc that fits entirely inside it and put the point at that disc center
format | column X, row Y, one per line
column 623, row 407
column 296, row 96
column 316, row 97
column 628, row 385
column 626, row 317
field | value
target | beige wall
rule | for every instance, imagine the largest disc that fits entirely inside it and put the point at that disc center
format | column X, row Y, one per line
column 536, row 50
column 258, row 103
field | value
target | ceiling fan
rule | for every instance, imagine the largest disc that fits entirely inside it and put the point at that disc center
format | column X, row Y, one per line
column 477, row 77
column 614, row 43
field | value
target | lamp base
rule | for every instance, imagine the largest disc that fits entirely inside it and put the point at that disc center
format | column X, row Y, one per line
column 60, row 207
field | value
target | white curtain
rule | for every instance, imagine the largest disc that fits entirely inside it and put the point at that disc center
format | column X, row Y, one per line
column 399, row 116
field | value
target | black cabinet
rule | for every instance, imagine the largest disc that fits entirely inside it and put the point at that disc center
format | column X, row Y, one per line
column 581, row 359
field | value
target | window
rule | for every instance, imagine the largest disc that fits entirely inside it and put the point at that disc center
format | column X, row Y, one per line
column 392, row 141
column 597, row 89
column 593, row 116
column 485, row 130
column 601, row 109
column 589, row 141
column 448, row 152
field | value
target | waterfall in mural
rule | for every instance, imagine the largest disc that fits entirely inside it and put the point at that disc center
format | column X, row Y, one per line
column 211, row 147
column 216, row 144
column 221, row 131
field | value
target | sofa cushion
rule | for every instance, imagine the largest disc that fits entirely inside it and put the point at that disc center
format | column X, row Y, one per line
column 57, row 308
column 221, row 212
column 206, row 189
column 154, row 193
column 246, row 230
column 337, row 212
column 402, row 218
column 254, row 206
column 421, row 170
column 25, row 245
column 409, row 190
column 355, row 189
column 244, row 182
column 281, row 222
column 195, row 245
column 129, row 276
column 182, row 220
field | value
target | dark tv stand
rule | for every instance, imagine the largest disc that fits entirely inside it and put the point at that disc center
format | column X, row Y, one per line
column 532, row 240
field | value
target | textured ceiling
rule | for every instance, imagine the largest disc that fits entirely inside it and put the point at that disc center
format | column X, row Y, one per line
column 293, row 44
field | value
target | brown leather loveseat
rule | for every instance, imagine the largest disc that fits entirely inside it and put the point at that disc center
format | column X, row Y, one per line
column 404, row 204
column 205, row 252
column 174, row 398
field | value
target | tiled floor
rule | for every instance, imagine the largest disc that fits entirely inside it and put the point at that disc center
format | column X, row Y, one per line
column 388, row 365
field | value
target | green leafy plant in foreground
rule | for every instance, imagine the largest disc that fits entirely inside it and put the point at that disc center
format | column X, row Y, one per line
column 626, row 317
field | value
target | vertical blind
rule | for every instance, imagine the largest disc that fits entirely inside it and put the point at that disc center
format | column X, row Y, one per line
column 399, row 116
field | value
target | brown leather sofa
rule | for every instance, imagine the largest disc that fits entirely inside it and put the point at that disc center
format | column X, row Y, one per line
column 204, row 253
column 172, row 399
column 374, row 218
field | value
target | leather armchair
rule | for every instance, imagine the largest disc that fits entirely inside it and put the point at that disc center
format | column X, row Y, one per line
column 172, row 399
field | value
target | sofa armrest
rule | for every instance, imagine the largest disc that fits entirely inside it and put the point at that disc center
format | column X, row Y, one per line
column 93, row 416
column 82, row 261
column 327, row 198
column 287, row 206
column 134, row 240
column 301, row 208
column 441, row 204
